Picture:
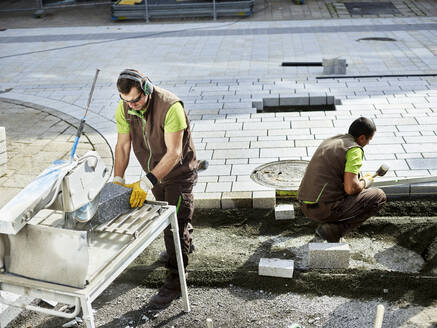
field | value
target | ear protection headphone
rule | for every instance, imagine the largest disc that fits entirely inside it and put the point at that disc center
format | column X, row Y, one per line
column 144, row 82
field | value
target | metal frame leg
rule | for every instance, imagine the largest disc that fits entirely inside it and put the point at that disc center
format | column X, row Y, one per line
column 87, row 312
column 181, row 270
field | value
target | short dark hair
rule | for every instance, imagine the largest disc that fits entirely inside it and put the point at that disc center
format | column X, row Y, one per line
column 125, row 85
column 362, row 125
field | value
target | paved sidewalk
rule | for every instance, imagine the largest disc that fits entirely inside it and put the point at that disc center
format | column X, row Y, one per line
column 220, row 69
column 35, row 137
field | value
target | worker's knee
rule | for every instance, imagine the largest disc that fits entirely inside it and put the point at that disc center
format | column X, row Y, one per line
column 377, row 197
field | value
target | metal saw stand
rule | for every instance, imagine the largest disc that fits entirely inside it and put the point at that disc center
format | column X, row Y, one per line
column 82, row 298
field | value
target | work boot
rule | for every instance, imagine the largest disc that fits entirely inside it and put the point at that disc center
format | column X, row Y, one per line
column 328, row 232
column 170, row 291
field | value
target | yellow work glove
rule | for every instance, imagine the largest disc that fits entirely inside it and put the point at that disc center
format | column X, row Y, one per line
column 368, row 180
column 138, row 195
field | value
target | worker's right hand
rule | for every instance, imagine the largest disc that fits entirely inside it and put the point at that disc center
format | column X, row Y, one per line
column 368, row 180
column 138, row 195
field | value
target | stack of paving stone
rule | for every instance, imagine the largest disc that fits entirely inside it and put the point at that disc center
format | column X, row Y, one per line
column 3, row 154
column 123, row 9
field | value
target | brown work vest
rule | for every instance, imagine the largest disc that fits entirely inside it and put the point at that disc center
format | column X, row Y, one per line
column 147, row 136
column 323, row 180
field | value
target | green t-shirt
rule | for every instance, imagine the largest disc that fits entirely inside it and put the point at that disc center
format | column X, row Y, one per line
column 174, row 120
column 354, row 160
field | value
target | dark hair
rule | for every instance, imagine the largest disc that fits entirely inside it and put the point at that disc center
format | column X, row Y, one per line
column 125, row 85
column 362, row 125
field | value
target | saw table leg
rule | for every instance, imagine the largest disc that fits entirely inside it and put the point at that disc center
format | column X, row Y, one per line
column 177, row 243
column 87, row 313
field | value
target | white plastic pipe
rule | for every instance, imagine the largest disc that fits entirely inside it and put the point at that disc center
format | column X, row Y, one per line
column 379, row 316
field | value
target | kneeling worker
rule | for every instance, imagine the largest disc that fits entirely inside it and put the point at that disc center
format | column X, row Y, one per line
column 153, row 122
column 331, row 192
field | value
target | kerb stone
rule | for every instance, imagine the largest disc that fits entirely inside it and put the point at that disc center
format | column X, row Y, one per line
column 284, row 212
column 264, row 199
column 276, row 268
column 236, row 199
column 328, row 255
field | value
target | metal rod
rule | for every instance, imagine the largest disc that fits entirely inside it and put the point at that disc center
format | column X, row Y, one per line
column 82, row 122
column 44, row 310
column 146, row 7
column 180, row 261
column 214, row 10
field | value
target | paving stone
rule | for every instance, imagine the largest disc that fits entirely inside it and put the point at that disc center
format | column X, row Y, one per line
column 284, row 212
column 423, row 189
column 418, row 164
column 219, row 187
column 397, row 191
column 237, row 199
column 274, row 267
column 207, row 200
column 264, row 199
column 236, row 153
column 328, row 255
column 114, row 201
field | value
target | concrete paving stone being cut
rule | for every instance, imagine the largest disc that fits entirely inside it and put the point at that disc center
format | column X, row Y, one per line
column 114, row 201
column 328, row 255
column 284, row 212
column 276, row 268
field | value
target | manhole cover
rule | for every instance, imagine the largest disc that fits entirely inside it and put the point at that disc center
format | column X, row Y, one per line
column 280, row 175
column 371, row 8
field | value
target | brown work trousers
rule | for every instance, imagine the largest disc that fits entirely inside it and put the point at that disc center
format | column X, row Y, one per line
column 179, row 194
column 348, row 213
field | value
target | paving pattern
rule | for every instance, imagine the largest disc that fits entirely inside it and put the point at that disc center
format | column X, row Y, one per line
column 221, row 70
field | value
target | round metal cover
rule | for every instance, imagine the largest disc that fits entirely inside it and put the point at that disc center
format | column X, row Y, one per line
column 280, row 175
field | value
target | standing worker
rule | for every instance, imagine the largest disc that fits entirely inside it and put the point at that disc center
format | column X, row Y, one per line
column 331, row 192
column 154, row 122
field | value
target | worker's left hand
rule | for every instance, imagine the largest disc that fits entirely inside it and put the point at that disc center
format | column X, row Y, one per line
column 368, row 181
column 138, row 195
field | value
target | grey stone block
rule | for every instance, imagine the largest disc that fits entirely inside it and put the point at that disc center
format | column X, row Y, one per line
column 317, row 100
column 264, row 199
column 398, row 191
column 423, row 189
column 276, row 268
column 237, row 199
column 114, row 201
column 328, row 255
column 271, row 102
column 334, row 66
column 294, row 101
column 284, row 212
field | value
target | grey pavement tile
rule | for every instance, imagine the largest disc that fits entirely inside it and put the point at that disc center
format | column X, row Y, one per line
column 235, row 153
column 227, row 178
column 242, row 169
column 283, row 152
column 219, row 187
column 227, row 145
column 422, row 164
column 263, row 160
